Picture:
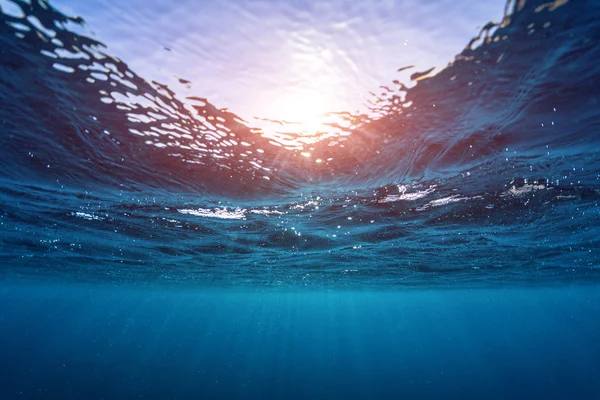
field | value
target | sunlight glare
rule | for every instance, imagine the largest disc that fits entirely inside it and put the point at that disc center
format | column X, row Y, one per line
column 302, row 110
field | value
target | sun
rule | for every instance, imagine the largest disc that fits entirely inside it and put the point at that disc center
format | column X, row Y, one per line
column 301, row 110
column 300, row 119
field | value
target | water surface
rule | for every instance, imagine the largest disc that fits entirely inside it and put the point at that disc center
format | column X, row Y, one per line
column 436, row 239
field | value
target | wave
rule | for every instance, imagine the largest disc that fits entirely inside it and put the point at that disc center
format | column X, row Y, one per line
column 487, row 170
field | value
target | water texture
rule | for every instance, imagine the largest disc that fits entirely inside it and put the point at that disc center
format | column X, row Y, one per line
column 441, row 243
column 487, row 171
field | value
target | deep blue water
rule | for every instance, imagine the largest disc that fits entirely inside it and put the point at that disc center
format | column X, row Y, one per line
column 98, row 341
column 445, row 245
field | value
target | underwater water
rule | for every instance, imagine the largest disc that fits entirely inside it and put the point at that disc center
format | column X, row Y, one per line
column 442, row 242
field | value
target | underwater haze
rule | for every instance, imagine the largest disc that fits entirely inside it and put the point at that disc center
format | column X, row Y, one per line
column 251, row 207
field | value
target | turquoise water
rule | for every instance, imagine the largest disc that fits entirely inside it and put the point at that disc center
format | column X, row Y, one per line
column 122, row 341
column 442, row 244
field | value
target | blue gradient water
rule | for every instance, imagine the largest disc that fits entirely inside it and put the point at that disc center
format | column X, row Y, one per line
column 441, row 244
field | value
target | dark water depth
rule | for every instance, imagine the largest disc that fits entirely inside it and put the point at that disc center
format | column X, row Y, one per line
column 103, row 342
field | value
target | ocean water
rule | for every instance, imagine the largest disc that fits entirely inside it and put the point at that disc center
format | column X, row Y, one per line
column 442, row 242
